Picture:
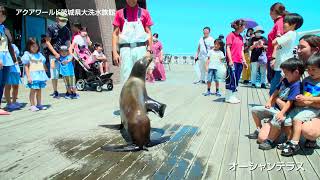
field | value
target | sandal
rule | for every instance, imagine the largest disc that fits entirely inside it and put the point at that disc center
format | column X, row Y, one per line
column 290, row 150
column 310, row 144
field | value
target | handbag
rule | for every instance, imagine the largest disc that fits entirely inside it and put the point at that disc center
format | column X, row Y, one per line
column 262, row 59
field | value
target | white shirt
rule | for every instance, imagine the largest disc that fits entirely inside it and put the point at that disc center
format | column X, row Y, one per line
column 203, row 53
column 96, row 54
column 215, row 58
column 285, row 51
column 81, row 41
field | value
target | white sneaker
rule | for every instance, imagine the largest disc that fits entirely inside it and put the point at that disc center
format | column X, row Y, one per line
column 233, row 99
column 227, row 96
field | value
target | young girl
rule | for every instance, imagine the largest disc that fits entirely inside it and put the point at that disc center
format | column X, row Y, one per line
column 101, row 58
column 35, row 74
column 7, row 58
column 236, row 60
column 13, row 82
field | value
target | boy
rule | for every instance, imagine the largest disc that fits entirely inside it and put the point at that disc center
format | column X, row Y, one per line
column 279, row 103
column 101, row 58
column 283, row 46
column 67, row 71
column 307, row 106
column 214, row 67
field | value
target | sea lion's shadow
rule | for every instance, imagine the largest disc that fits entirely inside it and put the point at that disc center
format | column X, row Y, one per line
column 157, row 136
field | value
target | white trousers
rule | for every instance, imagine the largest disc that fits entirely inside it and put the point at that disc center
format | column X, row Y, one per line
column 255, row 66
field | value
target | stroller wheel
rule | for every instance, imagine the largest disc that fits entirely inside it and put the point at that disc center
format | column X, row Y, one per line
column 81, row 84
column 99, row 89
column 109, row 86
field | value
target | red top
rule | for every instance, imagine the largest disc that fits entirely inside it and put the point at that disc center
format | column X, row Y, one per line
column 235, row 41
column 277, row 30
column 132, row 15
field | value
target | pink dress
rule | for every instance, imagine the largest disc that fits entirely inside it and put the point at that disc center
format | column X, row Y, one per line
column 159, row 71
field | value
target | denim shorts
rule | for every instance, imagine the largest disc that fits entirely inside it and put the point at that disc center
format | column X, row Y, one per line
column 56, row 71
column 212, row 75
column 270, row 114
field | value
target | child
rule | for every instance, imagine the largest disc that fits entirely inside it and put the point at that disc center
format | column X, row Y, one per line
column 214, row 66
column 280, row 102
column 283, row 46
column 13, row 82
column 35, row 74
column 101, row 58
column 306, row 108
column 67, row 71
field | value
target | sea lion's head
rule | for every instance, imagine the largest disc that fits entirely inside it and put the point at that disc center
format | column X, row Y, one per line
column 140, row 67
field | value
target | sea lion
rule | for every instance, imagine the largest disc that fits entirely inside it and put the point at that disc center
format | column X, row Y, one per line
column 135, row 104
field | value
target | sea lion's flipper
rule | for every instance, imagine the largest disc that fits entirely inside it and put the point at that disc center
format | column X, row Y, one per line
column 122, row 148
column 155, row 106
column 113, row 126
column 154, row 142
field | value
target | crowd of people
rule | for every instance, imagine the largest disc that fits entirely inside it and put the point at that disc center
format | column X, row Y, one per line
column 294, row 104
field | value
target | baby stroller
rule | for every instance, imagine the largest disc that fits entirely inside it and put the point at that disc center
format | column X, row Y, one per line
column 91, row 79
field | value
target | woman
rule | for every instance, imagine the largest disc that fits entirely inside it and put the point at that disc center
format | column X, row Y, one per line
column 308, row 45
column 236, row 60
column 159, row 71
column 277, row 13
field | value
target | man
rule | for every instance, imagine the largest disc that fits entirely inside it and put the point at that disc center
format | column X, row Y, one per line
column 57, row 35
column 133, row 35
column 202, row 54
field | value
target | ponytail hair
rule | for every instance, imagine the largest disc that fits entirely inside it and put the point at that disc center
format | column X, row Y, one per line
column 279, row 9
column 238, row 23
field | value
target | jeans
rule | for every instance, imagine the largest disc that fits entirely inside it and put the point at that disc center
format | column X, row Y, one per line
column 4, row 72
column 270, row 73
column 254, row 69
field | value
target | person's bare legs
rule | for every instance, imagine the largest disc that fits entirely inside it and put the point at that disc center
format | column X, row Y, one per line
column 32, row 97
column 311, row 130
column 297, row 128
column 264, row 132
column 106, row 67
column 15, row 90
column 55, row 84
column 257, row 121
column 38, row 92
column 289, row 132
column 101, row 68
column 7, row 90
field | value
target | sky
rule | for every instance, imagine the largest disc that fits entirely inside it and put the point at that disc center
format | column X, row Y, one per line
column 179, row 23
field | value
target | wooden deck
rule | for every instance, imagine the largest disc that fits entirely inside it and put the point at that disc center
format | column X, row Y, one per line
column 208, row 137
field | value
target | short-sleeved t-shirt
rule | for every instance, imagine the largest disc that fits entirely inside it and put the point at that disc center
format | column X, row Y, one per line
column 277, row 30
column 81, row 41
column 215, row 59
column 311, row 88
column 256, row 52
column 285, row 51
column 132, row 15
column 289, row 91
column 96, row 54
column 235, row 41
column 205, row 45
column 66, row 69
column 59, row 36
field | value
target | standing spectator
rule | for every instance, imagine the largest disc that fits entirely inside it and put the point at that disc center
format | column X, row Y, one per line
column 35, row 74
column 247, row 54
column 202, row 53
column 57, row 35
column 258, row 45
column 236, row 60
column 133, row 34
column 222, row 44
column 283, row 46
column 159, row 71
column 13, row 82
column 7, row 57
column 277, row 13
